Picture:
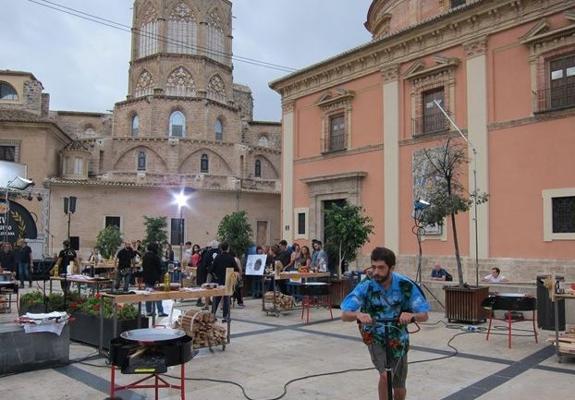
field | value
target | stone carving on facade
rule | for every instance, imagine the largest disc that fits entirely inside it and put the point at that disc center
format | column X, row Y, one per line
column 390, row 73
column 476, row 47
column 217, row 88
column 180, row 83
column 144, row 86
column 181, row 12
column 215, row 19
column 148, row 13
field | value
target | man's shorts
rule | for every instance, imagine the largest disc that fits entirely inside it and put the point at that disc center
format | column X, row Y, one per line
column 398, row 365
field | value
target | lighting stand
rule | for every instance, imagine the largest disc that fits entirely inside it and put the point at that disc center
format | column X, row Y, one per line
column 474, row 151
column 418, row 230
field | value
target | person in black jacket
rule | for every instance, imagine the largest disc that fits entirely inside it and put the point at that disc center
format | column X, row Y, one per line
column 208, row 256
column 222, row 262
column 152, row 274
column 7, row 259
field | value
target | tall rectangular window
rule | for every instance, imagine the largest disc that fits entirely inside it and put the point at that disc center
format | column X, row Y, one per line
column 141, row 161
column 433, row 119
column 457, row 3
column 336, row 133
column 8, row 153
column 563, row 210
column 113, row 221
column 301, row 224
column 78, row 166
column 562, row 82
column 177, row 229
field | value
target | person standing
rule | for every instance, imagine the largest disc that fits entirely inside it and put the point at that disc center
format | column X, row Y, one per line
column 124, row 260
column 66, row 256
column 152, row 274
column 284, row 255
column 207, row 258
column 221, row 263
column 319, row 257
column 24, row 261
column 375, row 302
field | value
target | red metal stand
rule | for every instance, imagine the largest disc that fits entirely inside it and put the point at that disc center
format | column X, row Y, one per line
column 509, row 321
column 310, row 301
column 159, row 383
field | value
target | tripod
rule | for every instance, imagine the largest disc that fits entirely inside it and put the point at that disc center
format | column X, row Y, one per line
column 418, row 230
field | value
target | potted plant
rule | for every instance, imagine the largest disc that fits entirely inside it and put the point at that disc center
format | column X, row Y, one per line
column 85, row 327
column 448, row 197
column 346, row 231
column 32, row 302
column 108, row 241
column 156, row 231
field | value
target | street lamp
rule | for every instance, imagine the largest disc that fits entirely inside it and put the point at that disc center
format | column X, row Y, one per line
column 181, row 199
column 474, row 150
column 17, row 183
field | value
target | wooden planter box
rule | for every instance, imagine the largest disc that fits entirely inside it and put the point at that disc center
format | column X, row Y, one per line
column 86, row 328
column 464, row 304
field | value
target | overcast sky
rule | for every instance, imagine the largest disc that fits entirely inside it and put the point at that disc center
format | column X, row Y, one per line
column 84, row 65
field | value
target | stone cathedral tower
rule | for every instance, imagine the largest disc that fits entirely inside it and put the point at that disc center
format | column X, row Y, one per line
column 184, row 124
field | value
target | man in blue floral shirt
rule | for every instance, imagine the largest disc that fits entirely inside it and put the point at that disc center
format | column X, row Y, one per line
column 386, row 296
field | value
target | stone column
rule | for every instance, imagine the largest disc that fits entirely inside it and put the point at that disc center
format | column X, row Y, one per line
column 476, row 66
column 391, row 156
column 287, row 171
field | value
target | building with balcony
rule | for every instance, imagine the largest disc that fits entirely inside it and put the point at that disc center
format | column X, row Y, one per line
column 354, row 127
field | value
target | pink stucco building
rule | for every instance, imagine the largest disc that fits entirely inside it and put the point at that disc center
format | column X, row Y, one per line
column 353, row 127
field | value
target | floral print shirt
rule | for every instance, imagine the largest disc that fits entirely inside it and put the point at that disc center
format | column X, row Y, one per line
column 370, row 297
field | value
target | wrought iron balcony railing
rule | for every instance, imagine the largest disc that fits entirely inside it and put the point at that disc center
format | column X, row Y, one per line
column 556, row 98
column 430, row 123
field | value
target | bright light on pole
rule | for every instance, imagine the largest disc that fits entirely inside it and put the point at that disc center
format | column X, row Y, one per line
column 181, row 199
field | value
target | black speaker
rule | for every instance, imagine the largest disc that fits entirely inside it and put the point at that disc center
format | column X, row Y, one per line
column 66, row 205
column 72, row 204
column 75, row 242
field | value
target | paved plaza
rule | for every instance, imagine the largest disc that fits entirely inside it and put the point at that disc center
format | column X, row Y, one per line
column 266, row 352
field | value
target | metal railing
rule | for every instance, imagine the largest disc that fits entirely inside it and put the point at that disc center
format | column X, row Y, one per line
column 429, row 123
column 556, row 98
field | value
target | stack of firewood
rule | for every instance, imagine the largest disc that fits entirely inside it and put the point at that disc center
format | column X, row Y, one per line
column 201, row 326
column 282, row 301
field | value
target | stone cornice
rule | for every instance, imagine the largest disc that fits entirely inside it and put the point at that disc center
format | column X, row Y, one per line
column 455, row 28
column 325, row 156
column 334, row 177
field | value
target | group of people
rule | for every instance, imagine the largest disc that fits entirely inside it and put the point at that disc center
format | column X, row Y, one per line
column 18, row 260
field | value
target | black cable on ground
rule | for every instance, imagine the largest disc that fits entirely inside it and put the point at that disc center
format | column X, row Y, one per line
column 306, row 377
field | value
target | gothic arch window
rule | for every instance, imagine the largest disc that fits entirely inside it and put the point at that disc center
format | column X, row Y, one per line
column 216, row 88
column 135, row 127
column 145, row 84
column 7, row 92
column 219, row 130
column 182, row 30
column 204, row 164
column 216, row 39
column 177, row 124
column 180, row 83
column 148, row 42
column 141, row 160
column 263, row 141
column 258, row 169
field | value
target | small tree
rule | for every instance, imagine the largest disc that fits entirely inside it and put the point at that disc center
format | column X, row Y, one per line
column 445, row 192
column 346, row 231
column 156, row 230
column 108, row 241
column 235, row 229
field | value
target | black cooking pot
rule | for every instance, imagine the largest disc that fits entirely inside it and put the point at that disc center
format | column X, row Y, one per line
column 155, row 347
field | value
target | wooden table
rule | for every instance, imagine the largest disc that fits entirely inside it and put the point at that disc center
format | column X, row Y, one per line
column 305, row 276
column 555, row 298
column 154, row 296
column 88, row 281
